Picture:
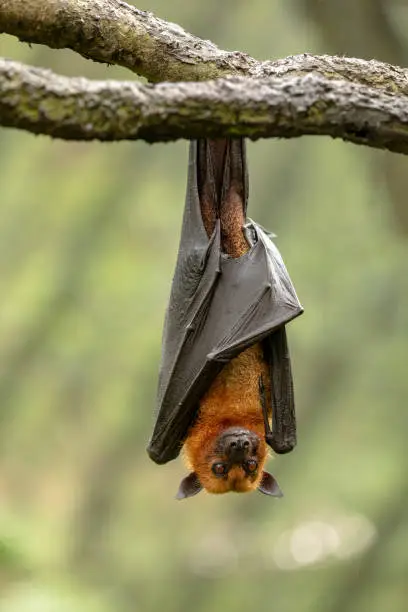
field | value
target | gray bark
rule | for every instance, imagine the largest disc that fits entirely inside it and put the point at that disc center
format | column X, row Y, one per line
column 69, row 108
column 114, row 32
column 360, row 101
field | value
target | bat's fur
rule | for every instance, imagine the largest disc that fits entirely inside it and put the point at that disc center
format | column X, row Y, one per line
column 233, row 399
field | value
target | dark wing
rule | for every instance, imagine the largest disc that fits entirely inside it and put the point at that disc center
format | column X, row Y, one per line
column 282, row 438
column 218, row 307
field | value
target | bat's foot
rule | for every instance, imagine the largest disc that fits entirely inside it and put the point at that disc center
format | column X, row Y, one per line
column 280, row 445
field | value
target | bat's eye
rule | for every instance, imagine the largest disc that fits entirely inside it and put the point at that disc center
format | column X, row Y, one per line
column 219, row 469
column 251, row 466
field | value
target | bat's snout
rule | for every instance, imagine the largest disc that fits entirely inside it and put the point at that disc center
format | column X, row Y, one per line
column 237, row 452
column 238, row 444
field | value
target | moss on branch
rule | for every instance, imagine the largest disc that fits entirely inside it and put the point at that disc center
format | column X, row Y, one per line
column 75, row 108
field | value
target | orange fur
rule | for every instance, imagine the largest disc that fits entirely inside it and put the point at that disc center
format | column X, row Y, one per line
column 232, row 400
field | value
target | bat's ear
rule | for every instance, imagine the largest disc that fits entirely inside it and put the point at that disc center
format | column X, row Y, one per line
column 189, row 486
column 269, row 486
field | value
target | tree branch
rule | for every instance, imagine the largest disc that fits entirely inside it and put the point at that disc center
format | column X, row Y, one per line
column 75, row 108
column 359, row 101
column 114, row 32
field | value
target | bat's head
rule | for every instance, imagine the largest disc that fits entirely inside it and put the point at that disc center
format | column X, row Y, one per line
column 232, row 460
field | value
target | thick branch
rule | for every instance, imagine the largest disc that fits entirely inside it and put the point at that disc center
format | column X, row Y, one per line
column 285, row 100
column 114, row 32
column 42, row 102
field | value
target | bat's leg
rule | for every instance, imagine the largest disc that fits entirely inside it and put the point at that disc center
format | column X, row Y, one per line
column 222, row 187
column 282, row 439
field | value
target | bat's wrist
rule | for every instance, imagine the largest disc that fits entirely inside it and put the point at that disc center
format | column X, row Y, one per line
column 280, row 444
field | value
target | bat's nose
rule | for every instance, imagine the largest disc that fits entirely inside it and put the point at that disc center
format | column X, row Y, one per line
column 240, row 443
column 238, row 446
column 237, row 443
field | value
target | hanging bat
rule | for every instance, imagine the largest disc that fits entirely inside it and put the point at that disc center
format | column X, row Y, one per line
column 225, row 368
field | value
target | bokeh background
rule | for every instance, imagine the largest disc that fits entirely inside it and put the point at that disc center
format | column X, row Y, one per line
column 88, row 241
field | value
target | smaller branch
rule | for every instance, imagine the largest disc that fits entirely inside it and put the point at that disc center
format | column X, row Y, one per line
column 114, row 32
column 372, row 73
column 44, row 103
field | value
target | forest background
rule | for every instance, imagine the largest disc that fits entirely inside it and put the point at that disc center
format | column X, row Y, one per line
column 88, row 241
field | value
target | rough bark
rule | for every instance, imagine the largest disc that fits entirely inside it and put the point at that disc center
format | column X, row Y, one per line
column 114, row 32
column 359, row 101
column 75, row 108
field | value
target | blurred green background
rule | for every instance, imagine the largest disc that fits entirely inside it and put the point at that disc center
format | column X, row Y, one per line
column 88, row 241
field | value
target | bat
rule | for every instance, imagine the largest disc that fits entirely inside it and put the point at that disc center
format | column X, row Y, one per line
column 225, row 369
